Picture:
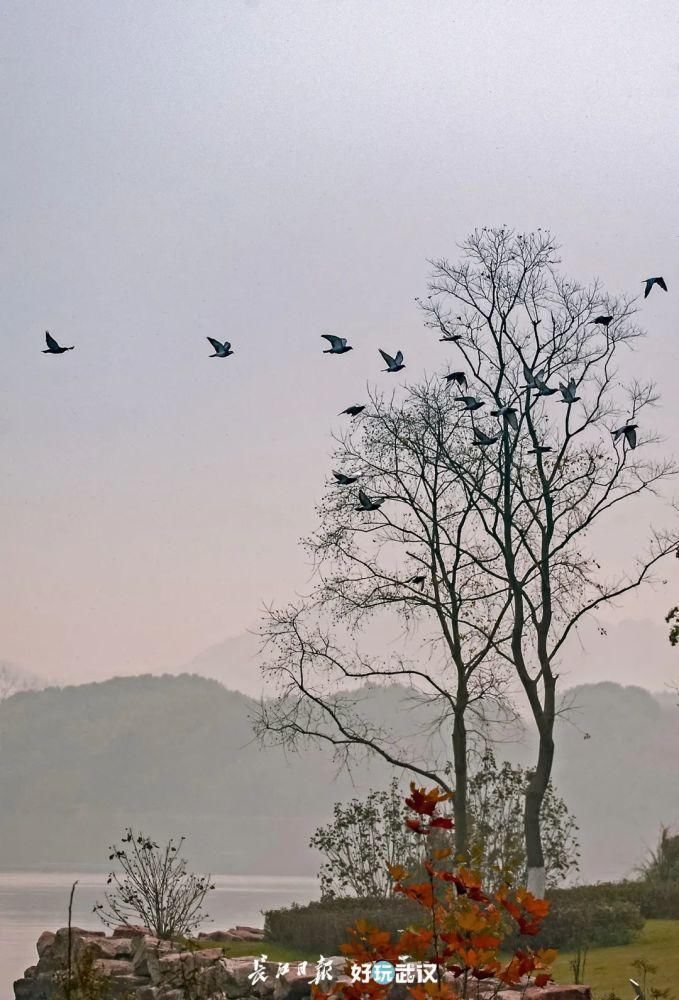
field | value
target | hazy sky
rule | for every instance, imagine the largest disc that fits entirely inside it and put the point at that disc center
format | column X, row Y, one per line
column 265, row 172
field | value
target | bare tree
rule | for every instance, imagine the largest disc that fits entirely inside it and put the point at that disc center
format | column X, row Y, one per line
column 154, row 886
column 530, row 335
column 407, row 561
column 501, row 528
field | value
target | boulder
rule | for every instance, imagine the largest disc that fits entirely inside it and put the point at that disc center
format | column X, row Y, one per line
column 45, row 941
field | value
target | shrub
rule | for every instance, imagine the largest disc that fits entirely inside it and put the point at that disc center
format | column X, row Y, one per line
column 155, row 888
column 363, row 838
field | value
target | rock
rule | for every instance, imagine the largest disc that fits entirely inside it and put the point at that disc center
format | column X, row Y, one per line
column 45, row 941
column 40, row 987
column 110, row 948
column 113, row 967
column 131, row 931
column 147, row 993
column 146, row 956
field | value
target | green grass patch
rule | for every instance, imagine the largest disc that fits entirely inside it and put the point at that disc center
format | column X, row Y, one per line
column 611, row 968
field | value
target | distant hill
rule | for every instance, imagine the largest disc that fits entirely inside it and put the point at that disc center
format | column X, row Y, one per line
column 13, row 679
column 627, row 652
column 175, row 755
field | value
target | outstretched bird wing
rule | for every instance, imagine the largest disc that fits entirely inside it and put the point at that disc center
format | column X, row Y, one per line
column 661, row 282
column 399, row 358
column 216, row 344
column 387, row 357
column 631, row 435
column 334, row 341
column 51, row 342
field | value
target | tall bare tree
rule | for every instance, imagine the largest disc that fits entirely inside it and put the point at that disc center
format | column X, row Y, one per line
column 548, row 348
column 405, row 561
column 504, row 530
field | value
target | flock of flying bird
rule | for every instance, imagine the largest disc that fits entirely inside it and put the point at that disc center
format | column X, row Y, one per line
column 508, row 414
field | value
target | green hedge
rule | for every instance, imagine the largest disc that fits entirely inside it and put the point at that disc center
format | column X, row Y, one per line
column 586, row 915
column 574, row 924
column 655, row 901
column 322, row 926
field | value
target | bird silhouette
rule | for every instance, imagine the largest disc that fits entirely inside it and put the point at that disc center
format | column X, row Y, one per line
column 352, row 411
column 418, row 581
column 508, row 414
column 543, row 388
column 394, row 364
column 650, row 282
column 52, row 346
column 450, row 338
column 602, row 320
column 541, row 449
column 532, row 380
column 338, row 345
column 459, row 377
column 221, row 350
column 345, row 480
column 366, row 503
column 470, row 402
column 483, row 440
column 630, row 432
column 568, row 392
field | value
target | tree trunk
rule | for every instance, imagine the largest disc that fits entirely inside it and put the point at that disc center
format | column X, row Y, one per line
column 460, row 799
column 535, row 793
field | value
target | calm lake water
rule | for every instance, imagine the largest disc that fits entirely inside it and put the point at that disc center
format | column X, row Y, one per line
column 31, row 902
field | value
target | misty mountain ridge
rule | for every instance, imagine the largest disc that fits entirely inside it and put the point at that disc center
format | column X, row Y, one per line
column 627, row 652
column 175, row 755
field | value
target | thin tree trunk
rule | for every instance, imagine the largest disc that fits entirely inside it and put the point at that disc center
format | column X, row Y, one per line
column 535, row 793
column 460, row 799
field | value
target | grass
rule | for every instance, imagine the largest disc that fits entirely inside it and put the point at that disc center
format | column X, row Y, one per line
column 609, row 969
column 606, row 969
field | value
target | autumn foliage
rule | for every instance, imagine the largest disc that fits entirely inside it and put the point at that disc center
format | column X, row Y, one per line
column 462, row 931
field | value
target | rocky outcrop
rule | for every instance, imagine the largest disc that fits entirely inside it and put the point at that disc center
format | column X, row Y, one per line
column 139, row 966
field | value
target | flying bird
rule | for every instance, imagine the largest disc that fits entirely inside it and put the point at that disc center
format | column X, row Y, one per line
column 541, row 449
column 650, row 282
column 543, row 388
column 417, row 581
column 52, row 346
column 365, row 502
column 483, row 440
column 459, row 377
column 338, row 345
column 602, row 320
column 451, row 338
column 532, row 380
column 352, row 411
column 345, row 480
column 394, row 364
column 470, row 402
column 630, row 432
column 508, row 414
column 221, row 350
column 568, row 392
